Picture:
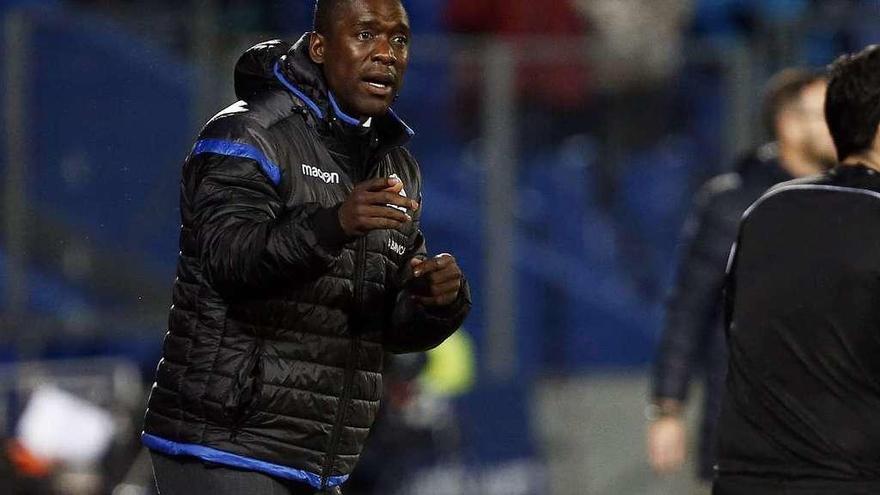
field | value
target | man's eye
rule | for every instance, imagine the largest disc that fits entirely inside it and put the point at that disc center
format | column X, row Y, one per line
column 401, row 40
column 365, row 36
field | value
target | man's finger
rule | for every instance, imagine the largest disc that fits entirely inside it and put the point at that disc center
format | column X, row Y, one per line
column 377, row 223
column 380, row 184
column 445, row 260
column 424, row 268
column 661, row 462
column 395, row 188
column 443, row 277
column 434, row 264
column 388, row 198
column 451, row 287
column 444, row 271
column 442, row 300
column 386, row 212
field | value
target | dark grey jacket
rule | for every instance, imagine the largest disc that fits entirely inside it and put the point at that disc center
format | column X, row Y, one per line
column 273, row 357
column 693, row 336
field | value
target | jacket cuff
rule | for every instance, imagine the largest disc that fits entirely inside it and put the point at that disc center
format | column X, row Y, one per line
column 328, row 230
column 669, row 384
column 454, row 309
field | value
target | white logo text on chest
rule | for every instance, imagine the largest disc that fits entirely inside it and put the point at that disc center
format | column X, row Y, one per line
column 396, row 247
column 328, row 177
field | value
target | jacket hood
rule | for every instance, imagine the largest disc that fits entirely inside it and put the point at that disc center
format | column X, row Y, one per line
column 279, row 65
column 254, row 70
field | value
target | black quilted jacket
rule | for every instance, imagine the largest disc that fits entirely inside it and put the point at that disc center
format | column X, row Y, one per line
column 273, row 359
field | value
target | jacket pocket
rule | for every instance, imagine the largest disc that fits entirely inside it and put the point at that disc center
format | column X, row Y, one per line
column 246, row 385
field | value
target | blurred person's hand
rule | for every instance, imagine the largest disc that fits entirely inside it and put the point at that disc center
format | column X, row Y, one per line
column 667, row 443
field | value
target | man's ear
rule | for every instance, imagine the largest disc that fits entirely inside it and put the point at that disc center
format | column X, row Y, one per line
column 316, row 48
column 876, row 143
column 788, row 126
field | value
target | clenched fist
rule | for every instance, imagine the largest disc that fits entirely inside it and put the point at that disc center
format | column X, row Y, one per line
column 437, row 280
column 667, row 444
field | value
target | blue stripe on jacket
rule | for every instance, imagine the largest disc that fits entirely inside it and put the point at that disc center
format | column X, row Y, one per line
column 233, row 460
column 240, row 150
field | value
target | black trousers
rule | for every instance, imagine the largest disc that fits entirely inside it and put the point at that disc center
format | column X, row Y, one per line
column 753, row 485
column 190, row 476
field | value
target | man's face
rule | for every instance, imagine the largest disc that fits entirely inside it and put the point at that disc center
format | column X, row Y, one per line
column 811, row 130
column 365, row 55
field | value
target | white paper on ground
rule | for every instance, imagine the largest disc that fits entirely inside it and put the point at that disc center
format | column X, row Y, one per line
column 58, row 426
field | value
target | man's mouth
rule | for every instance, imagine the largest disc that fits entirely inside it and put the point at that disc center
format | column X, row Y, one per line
column 379, row 85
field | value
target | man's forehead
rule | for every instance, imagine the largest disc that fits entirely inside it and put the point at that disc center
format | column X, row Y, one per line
column 371, row 11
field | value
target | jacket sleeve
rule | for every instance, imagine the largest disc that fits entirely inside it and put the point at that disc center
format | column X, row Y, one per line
column 695, row 303
column 416, row 328
column 247, row 238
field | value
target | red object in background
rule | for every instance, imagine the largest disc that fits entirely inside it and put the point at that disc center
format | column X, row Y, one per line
column 560, row 85
column 513, row 17
column 25, row 462
column 401, row 393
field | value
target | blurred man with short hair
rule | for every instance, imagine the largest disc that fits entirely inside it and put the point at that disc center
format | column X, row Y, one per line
column 802, row 398
column 693, row 336
column 301, row 264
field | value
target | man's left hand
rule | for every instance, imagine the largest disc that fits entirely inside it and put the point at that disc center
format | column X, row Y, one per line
column 439, row 279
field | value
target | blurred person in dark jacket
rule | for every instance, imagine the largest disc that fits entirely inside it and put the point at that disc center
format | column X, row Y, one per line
column 301, row 263
column 802, row 393
column 692, row 336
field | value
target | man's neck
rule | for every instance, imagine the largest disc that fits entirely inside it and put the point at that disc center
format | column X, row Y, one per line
column 870, row 159
column 796, row 163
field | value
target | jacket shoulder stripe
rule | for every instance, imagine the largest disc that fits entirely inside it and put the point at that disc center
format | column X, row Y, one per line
column 809, row 187
column 240, row 150
column 168, row 447
column 788, row 187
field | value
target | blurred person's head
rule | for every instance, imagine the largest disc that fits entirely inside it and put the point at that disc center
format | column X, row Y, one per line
column 853, row 106
column 363, row 47
column 794, row 115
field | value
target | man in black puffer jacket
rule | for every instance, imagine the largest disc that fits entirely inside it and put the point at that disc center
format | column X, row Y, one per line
column 301, row 264
column 693, row 336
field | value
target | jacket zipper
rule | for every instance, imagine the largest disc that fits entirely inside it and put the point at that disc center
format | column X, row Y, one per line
column 351, row 359
column 341, row 415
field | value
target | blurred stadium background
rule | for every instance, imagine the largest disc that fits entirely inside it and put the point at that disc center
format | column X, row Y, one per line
column 561, row 142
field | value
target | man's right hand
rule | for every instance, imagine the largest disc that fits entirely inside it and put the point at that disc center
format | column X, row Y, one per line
column 667, row 444
column 367, row 208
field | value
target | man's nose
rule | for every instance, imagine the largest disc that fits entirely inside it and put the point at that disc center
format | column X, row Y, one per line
column 384, row 52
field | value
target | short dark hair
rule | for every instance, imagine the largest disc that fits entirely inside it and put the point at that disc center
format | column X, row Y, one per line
column 324, row 10
column 852, row 106
column 783, row 89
